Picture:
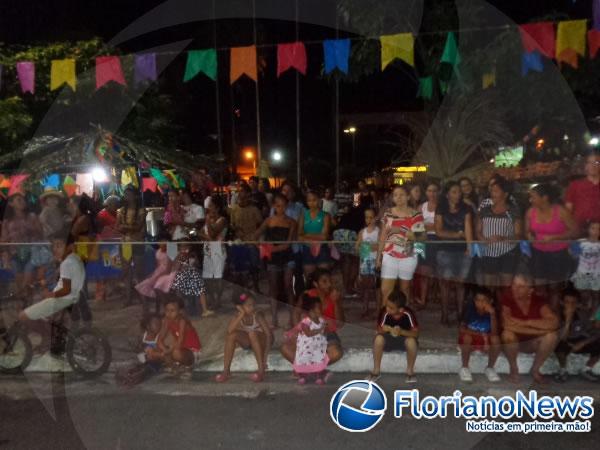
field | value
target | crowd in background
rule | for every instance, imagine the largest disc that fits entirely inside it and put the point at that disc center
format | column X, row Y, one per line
column 397, row 248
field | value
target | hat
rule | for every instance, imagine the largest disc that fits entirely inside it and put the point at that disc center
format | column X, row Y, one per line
column 112, row 199
column 49, row 191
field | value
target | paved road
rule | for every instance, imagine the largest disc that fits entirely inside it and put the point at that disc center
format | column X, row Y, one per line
column 47, row 412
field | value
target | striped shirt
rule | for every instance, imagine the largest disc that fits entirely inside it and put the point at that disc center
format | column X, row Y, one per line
column 498, row 225
column 405, row 319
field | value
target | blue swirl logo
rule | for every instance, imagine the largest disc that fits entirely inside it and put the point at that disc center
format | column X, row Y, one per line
column 358, row 406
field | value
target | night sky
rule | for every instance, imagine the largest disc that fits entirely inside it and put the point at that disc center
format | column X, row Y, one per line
column 26, row 21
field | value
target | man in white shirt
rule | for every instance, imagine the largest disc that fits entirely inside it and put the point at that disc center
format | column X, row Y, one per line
column 68, row 288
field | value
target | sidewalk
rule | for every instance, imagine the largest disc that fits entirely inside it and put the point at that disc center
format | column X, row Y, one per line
column 438, row 349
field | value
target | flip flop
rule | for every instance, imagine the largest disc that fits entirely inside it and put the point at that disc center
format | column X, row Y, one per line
column 222, row 378
column 257, row 377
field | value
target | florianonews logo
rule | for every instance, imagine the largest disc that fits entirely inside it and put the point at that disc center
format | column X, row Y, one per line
column 358, row 406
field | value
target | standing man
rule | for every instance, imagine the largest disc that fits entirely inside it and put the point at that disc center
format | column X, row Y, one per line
column 258, row 198
column 245, row 220
column 530, row 326
column 583, row 195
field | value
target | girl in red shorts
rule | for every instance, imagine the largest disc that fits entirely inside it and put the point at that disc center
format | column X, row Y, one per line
column 479, row 331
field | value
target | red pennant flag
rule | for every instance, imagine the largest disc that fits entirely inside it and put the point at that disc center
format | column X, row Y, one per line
column 539, row 36
column 291, row 56
column 108, row 68
column 594, row 42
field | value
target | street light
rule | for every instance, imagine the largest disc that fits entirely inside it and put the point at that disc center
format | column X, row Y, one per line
column 99, row 175
column 249, row 155
column 276, row 156
column 352, row 131
column 594, row 141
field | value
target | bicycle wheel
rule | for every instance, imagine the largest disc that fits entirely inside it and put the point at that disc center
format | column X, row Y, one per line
column 15, row 352
column 88, row 352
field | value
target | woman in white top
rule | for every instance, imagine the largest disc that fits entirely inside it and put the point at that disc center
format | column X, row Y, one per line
column 427, row 266
column 193, row 214
column 214, row 232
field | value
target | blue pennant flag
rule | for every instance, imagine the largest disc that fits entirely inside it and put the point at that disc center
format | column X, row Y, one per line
column 531, row 61
column 337, row 53
column 51, row 181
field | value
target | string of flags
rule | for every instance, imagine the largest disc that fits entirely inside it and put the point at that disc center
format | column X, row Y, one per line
column 564, row 42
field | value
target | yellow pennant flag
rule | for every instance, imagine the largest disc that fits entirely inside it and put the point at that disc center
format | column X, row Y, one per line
column 400, row 46
column 62, row 71
column 570, row 41
column 489, row 79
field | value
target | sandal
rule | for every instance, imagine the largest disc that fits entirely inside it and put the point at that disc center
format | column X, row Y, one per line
column 301, row 380
column 257, row 377
column 222, row 378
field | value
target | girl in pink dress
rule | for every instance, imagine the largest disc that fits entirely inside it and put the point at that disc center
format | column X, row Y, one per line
column 311, row 343
column 156, row 280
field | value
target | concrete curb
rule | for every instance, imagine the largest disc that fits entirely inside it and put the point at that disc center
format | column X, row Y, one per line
column 355, row 360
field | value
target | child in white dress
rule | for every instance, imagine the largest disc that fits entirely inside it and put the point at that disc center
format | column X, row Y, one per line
column 587, row 276
column 311, row 344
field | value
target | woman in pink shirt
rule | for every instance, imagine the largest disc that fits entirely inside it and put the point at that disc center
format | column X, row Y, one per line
column 550, row 226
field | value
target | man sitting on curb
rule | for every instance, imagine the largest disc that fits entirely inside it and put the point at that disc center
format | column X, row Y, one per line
column 529, row 325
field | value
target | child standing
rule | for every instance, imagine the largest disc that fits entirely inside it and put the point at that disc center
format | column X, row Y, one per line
column 184, row 348
column 578, row 335
column 479, row 331
column 366, row 246
column 587, row 276
column 188, row 281
column 397, row 330
column 311, row 343
column 163, row 267
column 248, row 329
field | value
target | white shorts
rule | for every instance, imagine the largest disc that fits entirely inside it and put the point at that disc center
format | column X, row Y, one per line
column 394, row 268
column 213, row 266
column 48, row 307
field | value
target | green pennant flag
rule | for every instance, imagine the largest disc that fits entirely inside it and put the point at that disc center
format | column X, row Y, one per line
column 451, row 55
column 425, row 88
column 204, row 61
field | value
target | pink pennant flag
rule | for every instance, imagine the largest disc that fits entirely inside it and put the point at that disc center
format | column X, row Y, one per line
column 291, row 56
column 149, row 184
column 108, row 68
column 26, row 74
column 16, row 182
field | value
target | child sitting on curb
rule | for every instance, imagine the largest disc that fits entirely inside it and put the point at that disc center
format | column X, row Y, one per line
column 578, row 335
column 397, row 330
column 479, row 331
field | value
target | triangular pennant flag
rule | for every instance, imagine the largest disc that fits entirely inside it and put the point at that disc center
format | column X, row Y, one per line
column 489, row 79
column 108, row 68
column 594, row 42
column 425, row 88
column 69, row 186
column 243, row 62
column 129, row 177
column 291, row 56
column 451, row 55
column 204, row 61
column 62, row 71
column 570, row 41
column 539, row 36
column 149, row 184
column 596, row 13
column 26, row 74
column 145, row 68
column 160, row 177
column 51, row 181
column 401, row 46
column 531, row 61
column 16, row 184
column 337, row 54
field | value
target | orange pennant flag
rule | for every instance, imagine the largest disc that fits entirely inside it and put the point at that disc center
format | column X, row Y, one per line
column 243, row 62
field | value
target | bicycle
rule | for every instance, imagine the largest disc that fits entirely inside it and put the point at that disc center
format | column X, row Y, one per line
column 87, row 350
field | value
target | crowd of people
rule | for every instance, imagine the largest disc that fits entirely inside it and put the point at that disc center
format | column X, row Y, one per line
column 521, row 267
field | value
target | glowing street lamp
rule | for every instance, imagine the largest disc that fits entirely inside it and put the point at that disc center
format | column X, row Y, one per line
column 352, row 132
column 99, row 175
column 276, row 156
column 594, row 141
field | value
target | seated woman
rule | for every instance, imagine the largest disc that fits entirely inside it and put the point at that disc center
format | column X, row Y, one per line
column 248, row 329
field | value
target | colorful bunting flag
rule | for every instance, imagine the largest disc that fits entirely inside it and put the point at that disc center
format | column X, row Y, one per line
column 531, row 61
column 4, row 186
column 160, row 177
column 401, row 46
column 291, row 56
column 145, row 68
column 204, row 61
column 16, row 184
column 62, row 71
column 570, row 41
column 451, row 55
column 51, row 181
column 489, row 79
column 129, row 177
column 337, row 54
column 149, row 184
column 108, row 68
column 425, row 88
column 26, row 74
column 539, row 36
column 594, row 42
column 69, row 186
column 243, row 62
